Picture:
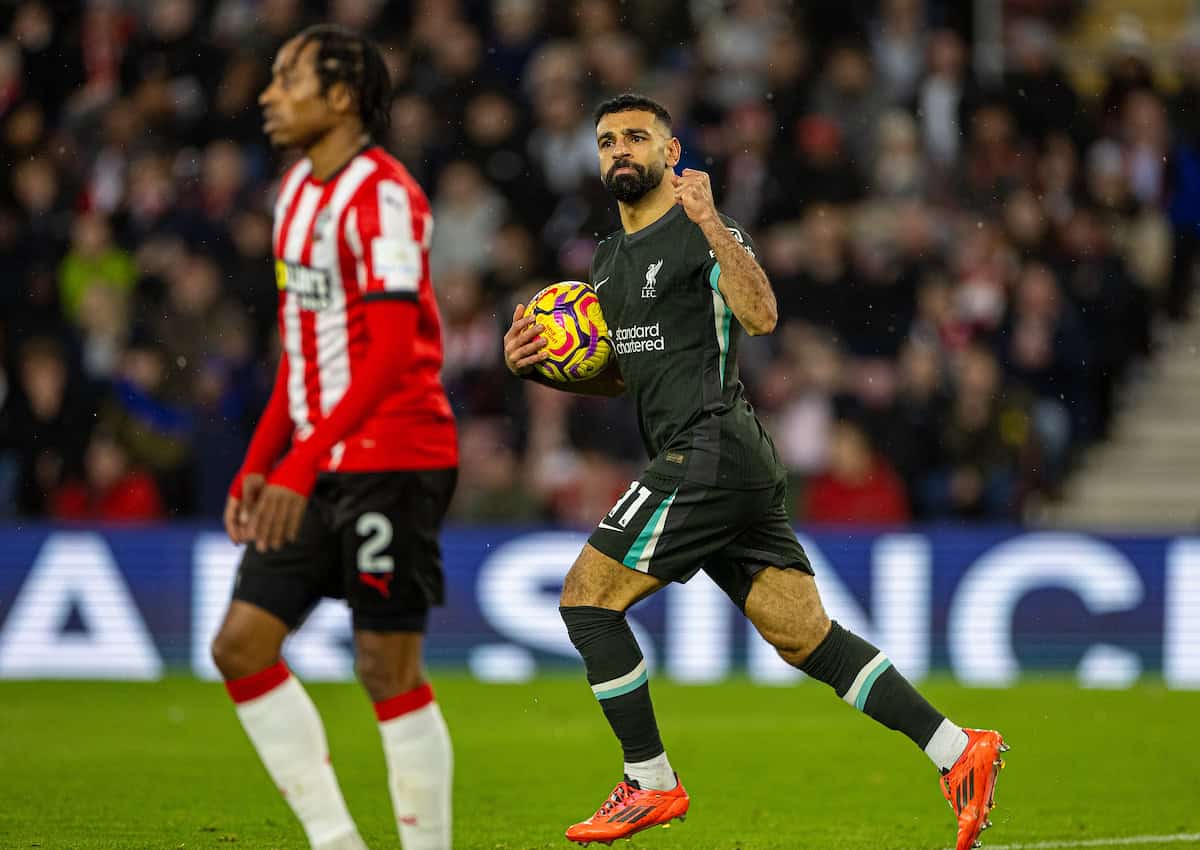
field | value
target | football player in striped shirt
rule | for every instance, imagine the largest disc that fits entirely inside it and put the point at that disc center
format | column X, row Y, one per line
column 352, row 465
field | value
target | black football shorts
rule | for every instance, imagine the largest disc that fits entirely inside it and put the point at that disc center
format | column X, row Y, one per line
column 370, row 538
column 673, row 534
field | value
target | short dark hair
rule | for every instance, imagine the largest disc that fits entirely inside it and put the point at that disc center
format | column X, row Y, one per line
column 630, row 102
column 344, row 56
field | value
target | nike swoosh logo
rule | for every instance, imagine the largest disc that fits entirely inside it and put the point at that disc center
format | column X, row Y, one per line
column 601, row 283
column 608, row 527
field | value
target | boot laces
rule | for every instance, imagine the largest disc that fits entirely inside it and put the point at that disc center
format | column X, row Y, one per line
column 619, row 797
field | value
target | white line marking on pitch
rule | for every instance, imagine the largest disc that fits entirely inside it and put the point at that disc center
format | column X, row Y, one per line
column 1101, row 842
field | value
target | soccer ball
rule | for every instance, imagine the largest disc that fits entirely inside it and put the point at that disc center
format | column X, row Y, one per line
column 575, row 331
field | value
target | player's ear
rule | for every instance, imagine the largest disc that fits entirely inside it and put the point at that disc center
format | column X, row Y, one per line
column 674, row 152
column 341, row 98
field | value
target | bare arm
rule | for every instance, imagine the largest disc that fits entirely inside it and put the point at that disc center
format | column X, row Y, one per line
column 743, row 283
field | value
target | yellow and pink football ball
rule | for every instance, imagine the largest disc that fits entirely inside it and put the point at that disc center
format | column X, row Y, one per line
column 576, row 334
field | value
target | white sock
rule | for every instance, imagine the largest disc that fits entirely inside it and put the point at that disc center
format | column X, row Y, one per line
column 420, row 761
column 654, row 774
column 286, row 730
column 947, row 744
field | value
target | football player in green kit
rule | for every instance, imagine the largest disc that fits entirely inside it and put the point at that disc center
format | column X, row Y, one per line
column 679, row 285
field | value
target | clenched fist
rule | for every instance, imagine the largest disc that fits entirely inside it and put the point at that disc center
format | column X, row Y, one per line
column 693, row 192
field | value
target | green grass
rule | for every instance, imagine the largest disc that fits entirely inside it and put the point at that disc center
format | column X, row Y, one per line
column 109, row 765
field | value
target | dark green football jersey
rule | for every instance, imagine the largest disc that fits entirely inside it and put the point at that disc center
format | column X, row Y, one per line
column 677, row 342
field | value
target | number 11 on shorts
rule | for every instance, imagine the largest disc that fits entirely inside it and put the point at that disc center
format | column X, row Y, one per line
column 638, row 494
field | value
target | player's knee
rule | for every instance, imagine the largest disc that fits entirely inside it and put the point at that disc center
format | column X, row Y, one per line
column 237, row 655
column 384, row 676
column 796, row 642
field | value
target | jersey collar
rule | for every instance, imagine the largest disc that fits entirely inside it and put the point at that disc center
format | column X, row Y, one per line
column 655, row 226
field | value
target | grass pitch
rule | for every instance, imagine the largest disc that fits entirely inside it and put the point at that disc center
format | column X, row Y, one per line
column 116, row 765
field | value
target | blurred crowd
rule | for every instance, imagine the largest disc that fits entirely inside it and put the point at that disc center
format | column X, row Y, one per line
column 969, row 270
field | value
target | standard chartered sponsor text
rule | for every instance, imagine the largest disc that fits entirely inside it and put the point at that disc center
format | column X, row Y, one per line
column 639, row 338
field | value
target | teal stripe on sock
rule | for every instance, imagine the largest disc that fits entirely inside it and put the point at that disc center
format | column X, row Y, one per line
column 870, row 683
column 623, row 689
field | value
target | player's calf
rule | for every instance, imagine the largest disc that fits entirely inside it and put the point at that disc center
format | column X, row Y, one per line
column 785, row 607
column 282, row 723
column 416, row 741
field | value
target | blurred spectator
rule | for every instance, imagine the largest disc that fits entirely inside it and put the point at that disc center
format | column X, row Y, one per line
column 12, row 76
column 93, row 262
column 563, row 141
column 497, row 143
column 250, row 276
column 615, row 61
column 187, row 324
column 228, row 393
column 943, row 99
column 516, row 32
column 1046, row 352
column 413, row 138
column 471, row 337
column 491, row 485
column 1037, row 91
column 859, row 486
column 1118, row 312
column 156, row 432
column 849, row 94
column 750, row 191
column 994, row 164
column 467, row 212
column 799, row 394
column 234, row 115
column 910, row 426
column 898, row 46
column 734, row 45
column 112, row 490
column 899, row 168
column 817, row 293
column 820, row 164
column 1057, row 176
column 981, row 440
column 51, row 417
column 1127, row 68
column 788, row 78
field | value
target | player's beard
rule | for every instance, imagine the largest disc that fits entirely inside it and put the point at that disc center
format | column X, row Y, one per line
column 628, row 188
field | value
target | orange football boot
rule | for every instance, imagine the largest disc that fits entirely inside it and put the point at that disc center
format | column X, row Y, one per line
column 969, row 787
column 630, row 809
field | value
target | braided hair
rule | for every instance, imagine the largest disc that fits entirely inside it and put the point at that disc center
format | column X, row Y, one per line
column 344, row 56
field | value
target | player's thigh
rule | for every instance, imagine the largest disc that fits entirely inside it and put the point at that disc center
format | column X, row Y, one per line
column 766, row 539
column 389, row 525
column 651, row 536
column 287, row 582
column 598, row 580
column 388, row 663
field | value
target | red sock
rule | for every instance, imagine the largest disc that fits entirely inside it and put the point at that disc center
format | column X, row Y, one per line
column 393, row 707
column 258, row 684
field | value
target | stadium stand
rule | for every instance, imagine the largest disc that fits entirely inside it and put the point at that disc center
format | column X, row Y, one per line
column 972, row 270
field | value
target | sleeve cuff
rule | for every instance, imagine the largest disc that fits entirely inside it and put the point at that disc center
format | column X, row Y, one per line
column 295, row 472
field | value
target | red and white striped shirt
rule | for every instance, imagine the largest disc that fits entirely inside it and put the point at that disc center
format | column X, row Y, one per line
column 359, row 236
